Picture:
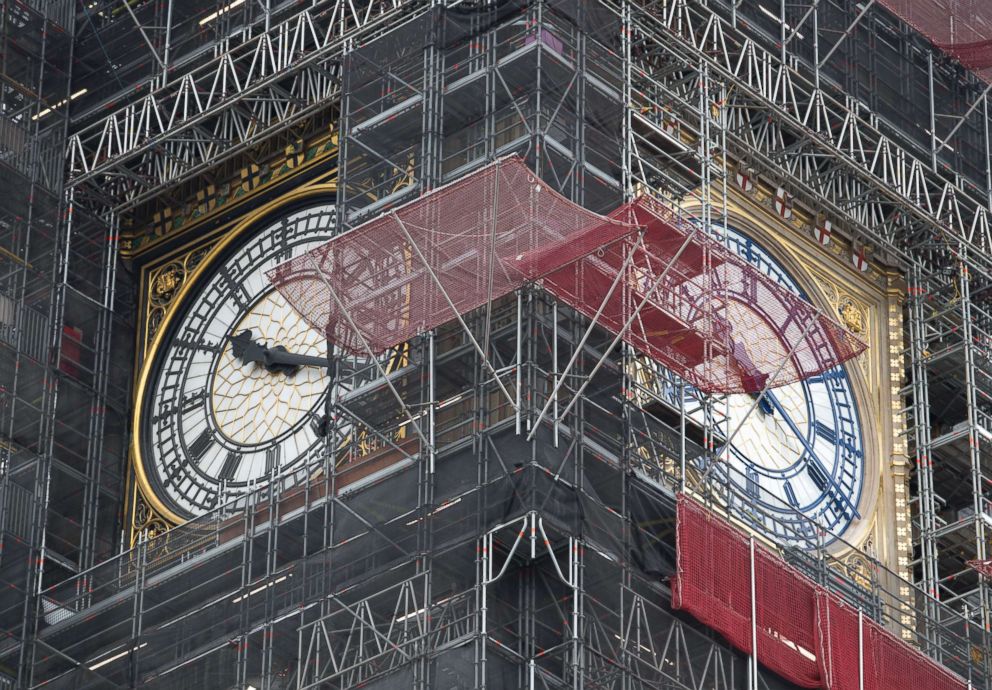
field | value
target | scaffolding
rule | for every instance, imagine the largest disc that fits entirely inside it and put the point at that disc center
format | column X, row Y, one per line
column 63, row 310
column 475, row 557
column 491, row 548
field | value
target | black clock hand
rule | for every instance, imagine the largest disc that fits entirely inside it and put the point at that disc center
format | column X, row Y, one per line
column 821, row 476
column 275, row 359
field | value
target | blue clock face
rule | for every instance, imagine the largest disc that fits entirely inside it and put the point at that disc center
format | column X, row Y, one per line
column 799, row 456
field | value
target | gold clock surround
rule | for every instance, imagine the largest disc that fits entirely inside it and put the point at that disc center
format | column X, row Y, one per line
column 166, row 289
column 868, row 304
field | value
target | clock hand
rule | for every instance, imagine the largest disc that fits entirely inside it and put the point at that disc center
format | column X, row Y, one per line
column 824, row 477
column 764, row 405
column 275, row 359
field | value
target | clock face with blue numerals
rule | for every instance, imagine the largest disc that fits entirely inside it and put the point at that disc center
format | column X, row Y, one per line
column 799, row 455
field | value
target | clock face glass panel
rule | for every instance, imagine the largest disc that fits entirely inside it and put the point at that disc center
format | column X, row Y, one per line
column 213, row 427
column 800, row 453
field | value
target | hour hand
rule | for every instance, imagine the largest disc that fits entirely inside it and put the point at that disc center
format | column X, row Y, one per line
column 246, row 349
column 276, row 359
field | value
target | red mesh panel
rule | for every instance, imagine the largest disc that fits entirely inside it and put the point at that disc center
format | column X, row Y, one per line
column 805, row 634
column 379, row 274
column 961, row 28
column 888, row 662
column 713, row 584
column 984, row 567
column 837, row 626
column 901, row 666
column 714, row 318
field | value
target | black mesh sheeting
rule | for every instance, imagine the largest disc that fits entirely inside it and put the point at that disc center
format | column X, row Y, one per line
column 653, row 545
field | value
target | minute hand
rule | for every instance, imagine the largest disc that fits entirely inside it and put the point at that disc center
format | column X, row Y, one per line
column 838, row 491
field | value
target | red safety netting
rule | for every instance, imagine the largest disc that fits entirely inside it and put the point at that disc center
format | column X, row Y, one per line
column 713, row 584
column 961, row 28
column 805, row 634
column 714, row 318
column 886, row 661
column 392, row 277
column 707, row 314
column 983, row 567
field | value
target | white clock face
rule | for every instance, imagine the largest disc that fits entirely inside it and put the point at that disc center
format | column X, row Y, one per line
column 213, row 426
column 800, row 453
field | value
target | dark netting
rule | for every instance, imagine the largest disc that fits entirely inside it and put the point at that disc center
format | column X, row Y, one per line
column 683, row 298
column 961, row 28
column 707, row 314
column 475, row 239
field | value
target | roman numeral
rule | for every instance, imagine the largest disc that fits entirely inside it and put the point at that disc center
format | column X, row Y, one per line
column 829, row 435
column 818, row 475
column 835, row 494
column 192, row 402
column 753, row 483
column 825, row 432
column 272, row 459
column 236, row 290
column 750, row 287
column 790, row 495
column 199, row 447
column 172, row 471
column 188, row 342
column 189, row 403
column 231, row 464
column 285, row 251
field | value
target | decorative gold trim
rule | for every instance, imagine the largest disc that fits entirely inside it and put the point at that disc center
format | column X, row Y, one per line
column 202, row 268
column 246, row 184
column 164, row 284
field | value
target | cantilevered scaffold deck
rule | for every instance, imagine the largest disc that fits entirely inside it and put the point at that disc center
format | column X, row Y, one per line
column 661, row 284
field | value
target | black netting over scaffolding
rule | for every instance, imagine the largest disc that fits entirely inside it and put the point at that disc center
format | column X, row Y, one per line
column 671, row 291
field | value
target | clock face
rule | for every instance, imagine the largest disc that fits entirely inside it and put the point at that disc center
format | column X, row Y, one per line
column 210, row 426
column 800, row 453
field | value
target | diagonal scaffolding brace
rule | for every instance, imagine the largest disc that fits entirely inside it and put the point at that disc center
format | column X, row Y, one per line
column 620, row 333
column 454, row 309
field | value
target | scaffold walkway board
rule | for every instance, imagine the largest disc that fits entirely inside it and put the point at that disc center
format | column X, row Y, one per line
column 662, row 284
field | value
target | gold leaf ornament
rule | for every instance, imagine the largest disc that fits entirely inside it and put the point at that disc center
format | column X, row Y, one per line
column 851, row 317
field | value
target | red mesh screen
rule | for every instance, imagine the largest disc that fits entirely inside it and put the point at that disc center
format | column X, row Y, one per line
column 714, row 318
column 837, row 658
column 379, row 274
column 713, row 584
column 805, row 634
column 901, row 666
column 961, row 28
column 983, row 567
column 888, row 661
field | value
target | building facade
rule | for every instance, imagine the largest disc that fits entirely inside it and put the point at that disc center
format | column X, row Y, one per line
column 497, row 501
